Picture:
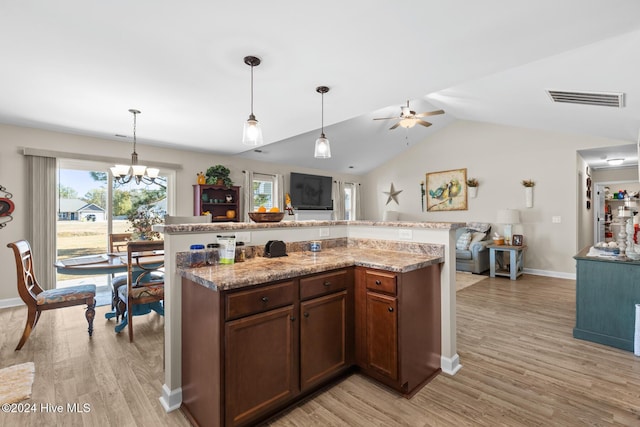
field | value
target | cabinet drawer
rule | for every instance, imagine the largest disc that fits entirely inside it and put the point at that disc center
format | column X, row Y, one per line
column 244, row 303
column 380, row 281
column 323, row 284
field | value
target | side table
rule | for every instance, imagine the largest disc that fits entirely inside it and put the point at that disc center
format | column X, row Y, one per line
column 516, row 261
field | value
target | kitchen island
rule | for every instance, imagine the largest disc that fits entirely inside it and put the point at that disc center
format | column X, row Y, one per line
column 607, row 290
column 260, row 335
column 427, row 241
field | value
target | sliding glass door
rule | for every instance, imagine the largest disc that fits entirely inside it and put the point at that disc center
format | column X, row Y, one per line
column 91, row 206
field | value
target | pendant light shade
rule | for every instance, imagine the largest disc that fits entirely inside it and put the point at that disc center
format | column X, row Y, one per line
column 323, row 149
column 252, row 133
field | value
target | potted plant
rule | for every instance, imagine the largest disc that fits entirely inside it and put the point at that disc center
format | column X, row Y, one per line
column 219, row 175
column 472, row 185
column 142, row 222
column 528, row 185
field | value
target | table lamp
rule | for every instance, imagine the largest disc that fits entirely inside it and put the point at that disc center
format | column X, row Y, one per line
column 508, row 217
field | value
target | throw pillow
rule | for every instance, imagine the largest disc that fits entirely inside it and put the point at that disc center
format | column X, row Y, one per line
column 463, row 241
column 477, row 236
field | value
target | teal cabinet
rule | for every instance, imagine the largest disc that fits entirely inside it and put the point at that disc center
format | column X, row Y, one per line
column 607, row 291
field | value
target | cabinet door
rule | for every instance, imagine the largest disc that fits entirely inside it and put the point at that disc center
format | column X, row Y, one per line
column 382, row 334
column 260, row 364
column 323, row 338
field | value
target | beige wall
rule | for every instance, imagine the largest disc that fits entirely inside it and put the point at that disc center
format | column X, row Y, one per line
column 500, row 157
column 13, row 176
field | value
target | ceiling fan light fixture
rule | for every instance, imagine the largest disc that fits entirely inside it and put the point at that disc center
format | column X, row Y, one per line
column 323, row 148
column 252, row 132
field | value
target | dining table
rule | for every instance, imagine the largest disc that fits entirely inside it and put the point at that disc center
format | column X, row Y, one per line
column 109, row 263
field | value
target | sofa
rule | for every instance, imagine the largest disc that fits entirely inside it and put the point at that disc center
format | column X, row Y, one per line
column 472, row 254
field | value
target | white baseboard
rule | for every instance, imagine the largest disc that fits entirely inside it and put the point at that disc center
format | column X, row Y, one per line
column 450, row 365
column 556, row 274
column 171, row 399
column 10, row 302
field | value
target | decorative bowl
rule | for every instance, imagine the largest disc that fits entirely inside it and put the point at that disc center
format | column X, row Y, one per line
column 266, row 216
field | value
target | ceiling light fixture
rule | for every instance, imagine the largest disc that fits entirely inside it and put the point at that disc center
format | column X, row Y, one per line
column 123, row 174
column 252, row 133
column 323, row 149
column 615, row 162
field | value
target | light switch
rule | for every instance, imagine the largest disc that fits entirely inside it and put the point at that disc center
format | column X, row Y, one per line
column 556, row 219
column 243, row 237
column 324, row 232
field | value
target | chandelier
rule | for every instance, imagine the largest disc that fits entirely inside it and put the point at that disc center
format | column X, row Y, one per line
column 123, row 174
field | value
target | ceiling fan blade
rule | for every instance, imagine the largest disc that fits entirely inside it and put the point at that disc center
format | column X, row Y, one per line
column 394, row 126
column 423, row 123
column 430, row 113
column 387, row 118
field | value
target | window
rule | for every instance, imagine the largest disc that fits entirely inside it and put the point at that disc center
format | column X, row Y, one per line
column 349, row 201
column 265, row 192
column 91, row 206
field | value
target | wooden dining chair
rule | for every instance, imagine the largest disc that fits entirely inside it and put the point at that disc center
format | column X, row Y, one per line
column 118, row 244
column 145, row 283
column 38, row 300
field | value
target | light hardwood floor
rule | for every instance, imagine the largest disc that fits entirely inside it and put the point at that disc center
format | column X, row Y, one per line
column 521, row 367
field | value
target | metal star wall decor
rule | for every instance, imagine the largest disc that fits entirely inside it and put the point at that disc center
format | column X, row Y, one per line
column 392, row 195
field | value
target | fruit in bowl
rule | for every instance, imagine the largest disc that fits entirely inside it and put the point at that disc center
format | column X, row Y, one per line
column 266, row 216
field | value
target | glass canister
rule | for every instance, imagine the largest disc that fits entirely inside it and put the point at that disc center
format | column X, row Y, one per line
column 213, row 254
column 241, row 253
column 197, row 256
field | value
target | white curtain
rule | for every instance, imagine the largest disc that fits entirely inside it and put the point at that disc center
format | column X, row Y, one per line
column 358, row 214
column 41, row 207
column 248, row 195
column 338, row 200
column 278, row 192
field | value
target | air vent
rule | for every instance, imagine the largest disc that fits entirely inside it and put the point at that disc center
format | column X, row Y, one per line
column 602, row 99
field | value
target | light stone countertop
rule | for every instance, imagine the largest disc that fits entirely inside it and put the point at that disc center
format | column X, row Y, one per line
column 192, row 228
column 260, row 270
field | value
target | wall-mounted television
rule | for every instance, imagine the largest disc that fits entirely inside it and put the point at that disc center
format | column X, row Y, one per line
column 310, row 191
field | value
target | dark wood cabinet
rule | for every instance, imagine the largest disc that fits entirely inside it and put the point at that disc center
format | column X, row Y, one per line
column 398, row 326
column 218, row 200
column 260, row 364
column 249, row 353
column 269, row 349
column 382, row 334
column 326, row 326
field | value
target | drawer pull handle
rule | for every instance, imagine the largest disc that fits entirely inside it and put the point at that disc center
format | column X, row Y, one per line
column 390, row 309
column 327, row 283
column 265, row 299
column 306, row 314
column 293, row 318
column 378, row 282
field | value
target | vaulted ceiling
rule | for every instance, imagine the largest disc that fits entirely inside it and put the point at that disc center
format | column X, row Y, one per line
column 79, row 65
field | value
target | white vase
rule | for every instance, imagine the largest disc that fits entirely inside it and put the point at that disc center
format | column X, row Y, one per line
column 528, row 196
column 473, row 192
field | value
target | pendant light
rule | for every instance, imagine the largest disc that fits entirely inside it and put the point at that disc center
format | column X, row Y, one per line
column 252, row 133
column 123, row 174
column 323, row 149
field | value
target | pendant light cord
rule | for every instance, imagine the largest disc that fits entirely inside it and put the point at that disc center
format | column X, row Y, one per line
column 251, row 90
column 322, row 115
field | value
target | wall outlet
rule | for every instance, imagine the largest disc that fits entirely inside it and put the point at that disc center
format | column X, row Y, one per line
column 556, row 219
column 324, row 232
column 405, row 234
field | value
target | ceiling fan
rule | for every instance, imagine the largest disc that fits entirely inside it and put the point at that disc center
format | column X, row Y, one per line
column 408, row 118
